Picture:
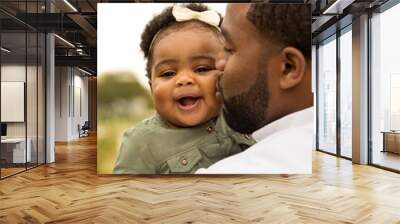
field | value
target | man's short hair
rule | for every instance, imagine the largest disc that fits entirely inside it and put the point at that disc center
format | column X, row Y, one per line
column 289, row 24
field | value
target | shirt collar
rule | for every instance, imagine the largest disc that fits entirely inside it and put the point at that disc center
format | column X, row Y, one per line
column 299, row 118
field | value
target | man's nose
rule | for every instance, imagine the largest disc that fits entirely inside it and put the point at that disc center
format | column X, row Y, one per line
column 184, row 79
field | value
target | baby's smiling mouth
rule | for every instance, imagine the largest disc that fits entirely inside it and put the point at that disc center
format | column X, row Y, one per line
column 187, row 103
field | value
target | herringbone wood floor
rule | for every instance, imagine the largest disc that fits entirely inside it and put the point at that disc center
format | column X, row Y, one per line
column 70, row 191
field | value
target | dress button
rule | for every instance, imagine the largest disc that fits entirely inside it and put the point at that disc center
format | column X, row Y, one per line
column 184, row 162
column 210, row 129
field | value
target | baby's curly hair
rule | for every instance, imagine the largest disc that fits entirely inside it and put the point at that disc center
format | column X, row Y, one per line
column 289, row 24
column 161, row 23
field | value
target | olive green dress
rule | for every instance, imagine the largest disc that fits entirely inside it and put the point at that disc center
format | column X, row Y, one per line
column 153, row 147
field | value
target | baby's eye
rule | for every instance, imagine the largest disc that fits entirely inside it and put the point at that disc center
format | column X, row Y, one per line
column 202, row 69
column 167, row 74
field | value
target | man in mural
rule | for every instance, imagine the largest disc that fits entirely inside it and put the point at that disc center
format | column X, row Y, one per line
column 265, row 85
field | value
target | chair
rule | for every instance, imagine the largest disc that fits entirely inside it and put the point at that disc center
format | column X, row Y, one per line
column 84, row 130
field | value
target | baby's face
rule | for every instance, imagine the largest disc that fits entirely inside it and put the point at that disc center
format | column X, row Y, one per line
column 183, row 77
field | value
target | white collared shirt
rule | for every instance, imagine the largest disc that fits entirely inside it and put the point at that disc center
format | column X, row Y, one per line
column 283, row 147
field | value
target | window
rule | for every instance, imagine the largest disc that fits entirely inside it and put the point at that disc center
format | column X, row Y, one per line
column 22, row 65
column 385, row 89
column 346, row 75
column 327, row 95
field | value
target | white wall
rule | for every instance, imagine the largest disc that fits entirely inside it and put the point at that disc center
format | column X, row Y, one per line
column 71, row 94
column 33, row 126
column 62, row 81
column 13, row 73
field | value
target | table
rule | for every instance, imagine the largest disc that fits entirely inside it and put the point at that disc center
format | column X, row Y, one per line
column 16, row 147
column 391, row 141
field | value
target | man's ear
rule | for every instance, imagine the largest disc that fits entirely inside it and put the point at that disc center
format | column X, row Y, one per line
column 293, row 67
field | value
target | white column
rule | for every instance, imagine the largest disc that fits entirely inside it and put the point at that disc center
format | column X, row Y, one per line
column 314, row 91
column 50, row 99
column 360, row 90
column 50, row 92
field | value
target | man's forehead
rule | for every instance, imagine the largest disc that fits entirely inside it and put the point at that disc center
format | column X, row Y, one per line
column 235, row 25
column 238, row 7
column 237, row 10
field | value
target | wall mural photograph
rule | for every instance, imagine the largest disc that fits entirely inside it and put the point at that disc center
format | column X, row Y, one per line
column 160, row 111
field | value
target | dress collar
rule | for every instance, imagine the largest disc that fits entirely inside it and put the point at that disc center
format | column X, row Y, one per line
column 299, row 118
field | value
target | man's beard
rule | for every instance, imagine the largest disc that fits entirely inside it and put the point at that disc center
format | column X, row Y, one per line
column 246, row 113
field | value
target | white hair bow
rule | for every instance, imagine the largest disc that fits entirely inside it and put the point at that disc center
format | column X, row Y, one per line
column 182, row 13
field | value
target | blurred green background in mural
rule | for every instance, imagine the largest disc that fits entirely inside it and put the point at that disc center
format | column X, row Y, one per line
column 122, row 103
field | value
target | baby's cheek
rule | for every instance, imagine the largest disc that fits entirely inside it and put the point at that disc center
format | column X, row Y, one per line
column 216, row 103
column 160, row 92
column 213, row 94
column 216, row 109
column 213, row 81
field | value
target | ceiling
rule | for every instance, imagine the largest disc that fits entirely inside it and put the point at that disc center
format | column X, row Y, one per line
column 75, row 21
